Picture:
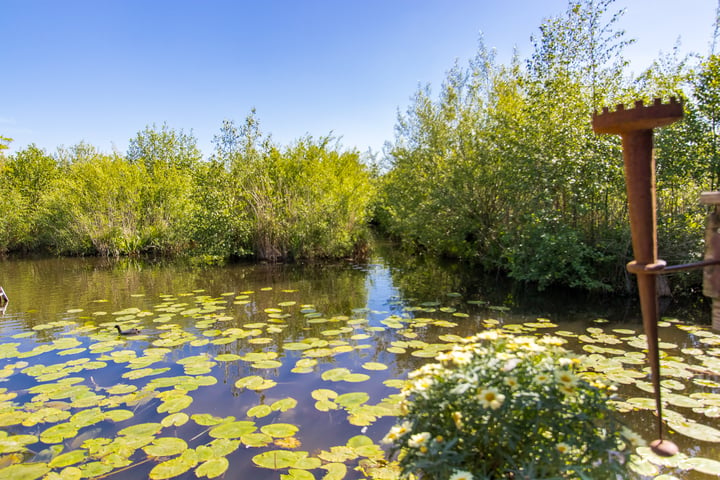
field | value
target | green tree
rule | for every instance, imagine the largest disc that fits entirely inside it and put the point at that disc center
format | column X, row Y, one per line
column 707, row 94
column 95, row 207
column 25, row 177
column 4, row 144
column 169, row 158
column 504, row 167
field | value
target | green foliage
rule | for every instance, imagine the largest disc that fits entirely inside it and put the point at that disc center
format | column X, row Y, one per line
column 4, row 144
column 503, row 168
column 508, row 407
column 219, row 224
column 24, row 177
column 307, row 200
column 95, row 208
column 166, row 147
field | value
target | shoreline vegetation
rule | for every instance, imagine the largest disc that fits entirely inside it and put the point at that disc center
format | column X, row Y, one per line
column 499, row 169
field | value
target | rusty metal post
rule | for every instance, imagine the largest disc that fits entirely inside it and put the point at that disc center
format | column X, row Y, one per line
column 711, row 274
column 635, row 126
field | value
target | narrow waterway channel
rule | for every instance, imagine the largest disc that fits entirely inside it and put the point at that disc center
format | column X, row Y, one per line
column 303, row 357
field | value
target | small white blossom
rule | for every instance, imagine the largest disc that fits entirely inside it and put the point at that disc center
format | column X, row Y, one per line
column 461, row 475
column 419, row 440
column 491, row 398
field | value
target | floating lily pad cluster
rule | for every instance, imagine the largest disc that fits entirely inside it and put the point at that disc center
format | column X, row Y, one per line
column 89, row 403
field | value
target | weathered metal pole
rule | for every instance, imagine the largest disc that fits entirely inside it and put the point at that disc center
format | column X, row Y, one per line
column 635, row 126
column 711, row 275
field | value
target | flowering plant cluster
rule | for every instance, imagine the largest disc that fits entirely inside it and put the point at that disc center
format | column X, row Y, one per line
column 501, row 406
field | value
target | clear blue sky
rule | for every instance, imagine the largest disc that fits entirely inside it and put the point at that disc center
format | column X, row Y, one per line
column 100, row 71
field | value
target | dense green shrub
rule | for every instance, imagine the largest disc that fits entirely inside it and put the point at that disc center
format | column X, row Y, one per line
column 95, row 208
column 500, row 407
column 251, row 198
column 503, row 169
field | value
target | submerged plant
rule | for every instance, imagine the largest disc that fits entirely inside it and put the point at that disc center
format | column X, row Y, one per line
column 503, row 406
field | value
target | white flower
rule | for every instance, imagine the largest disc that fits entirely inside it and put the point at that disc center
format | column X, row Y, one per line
column 562, row 447
column 511, row 382
column 461, row 475
column 458, row 356
column 419, row 440
column 565, row 362
column 422, row 384
column 552, row 340
column 566, row 378
column 491, row 398
column 488, row 335
column 510, row 364
column 396, row 432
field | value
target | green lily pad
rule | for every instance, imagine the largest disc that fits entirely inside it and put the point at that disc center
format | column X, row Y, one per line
column 256, row 439
column 283, row 405
column 25, row 471
column 175, row 419
column 259, row 411
column 335, row 471
column 279, row 430
column 295, row 474
column 173, row 467
column 255, row 382
column 175, row 404
column 232, row 429
column 695, row 430
column 205, row 419
column 702, row 465
column 141, row 430
column 335, row 374
column 356, row 377
column 166, row 447
column 58, row 433
column 278, row 459
column 350, row 400
column 374, row 366
column 212, row 468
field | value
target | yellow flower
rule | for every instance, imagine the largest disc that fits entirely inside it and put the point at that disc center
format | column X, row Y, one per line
column 542, row 378
column 511, row 382
column 491, row 398
column 457, row 418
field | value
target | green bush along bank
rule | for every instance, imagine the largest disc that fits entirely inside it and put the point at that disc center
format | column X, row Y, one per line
column 502, row 169
column 250, row 198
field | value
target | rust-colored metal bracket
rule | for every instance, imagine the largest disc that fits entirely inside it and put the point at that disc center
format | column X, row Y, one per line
column 635, row 127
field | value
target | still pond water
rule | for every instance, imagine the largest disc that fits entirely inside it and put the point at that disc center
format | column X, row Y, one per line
column 236, row 366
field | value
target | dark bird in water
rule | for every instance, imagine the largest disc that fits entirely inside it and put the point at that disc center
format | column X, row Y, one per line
column 131, row 331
